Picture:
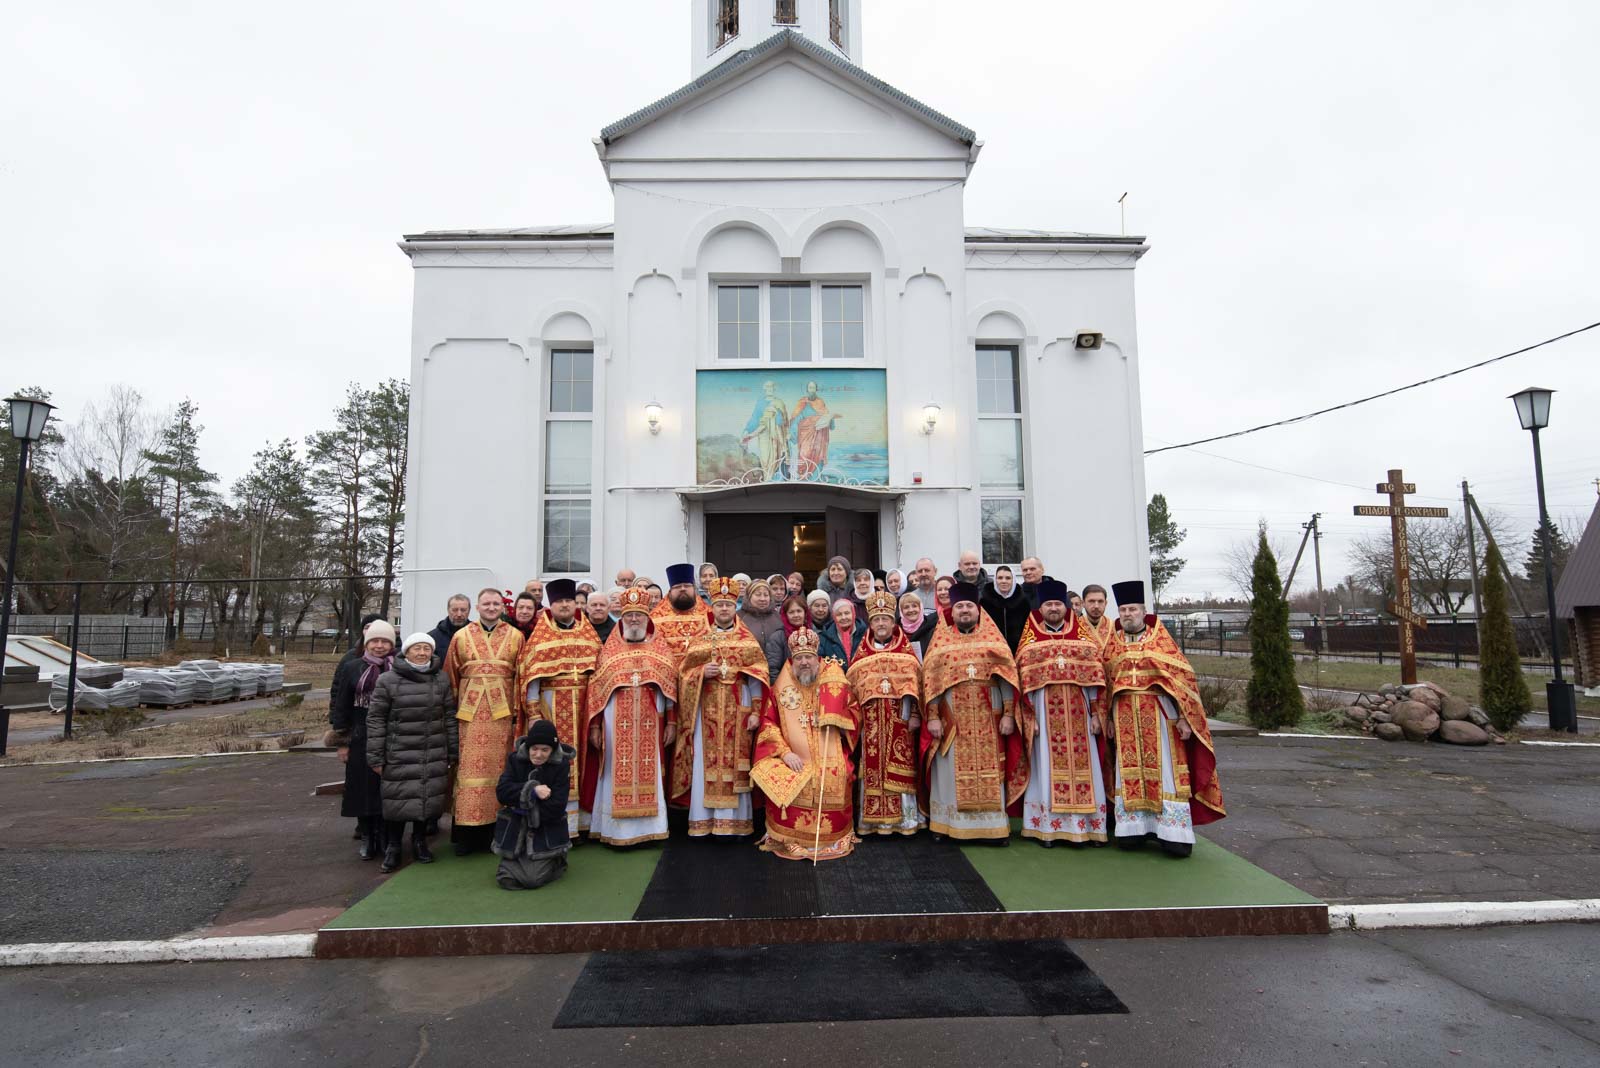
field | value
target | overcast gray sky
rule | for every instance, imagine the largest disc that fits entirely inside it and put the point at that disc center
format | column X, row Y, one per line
column 203, row 200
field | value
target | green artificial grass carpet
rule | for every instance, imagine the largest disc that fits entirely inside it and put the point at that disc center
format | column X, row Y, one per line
column 1027, row 877
column 600, row 884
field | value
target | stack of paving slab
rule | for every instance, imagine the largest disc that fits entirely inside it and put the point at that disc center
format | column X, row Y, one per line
column 164, row 687
column 246, row 679
column 212, row 681
column 123, row 693
column 271, row 679
column 92, row 676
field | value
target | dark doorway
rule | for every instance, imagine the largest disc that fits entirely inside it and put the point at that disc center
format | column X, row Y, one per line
column 760, row 543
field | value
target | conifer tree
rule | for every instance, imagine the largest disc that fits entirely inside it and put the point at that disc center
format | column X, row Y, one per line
column 1273, row 698
column 1502, row 687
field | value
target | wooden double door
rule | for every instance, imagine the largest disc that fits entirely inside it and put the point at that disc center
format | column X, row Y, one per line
column 763, row 543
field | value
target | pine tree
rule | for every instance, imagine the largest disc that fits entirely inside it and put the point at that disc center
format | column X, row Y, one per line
column 1502, row 687
column 1165, row 537
column 175, row 461
column 1273, row 698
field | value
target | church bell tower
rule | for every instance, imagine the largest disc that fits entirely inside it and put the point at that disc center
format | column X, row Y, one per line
column 723, row 28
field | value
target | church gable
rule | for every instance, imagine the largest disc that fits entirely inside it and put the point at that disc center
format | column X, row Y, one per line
column 783, row 100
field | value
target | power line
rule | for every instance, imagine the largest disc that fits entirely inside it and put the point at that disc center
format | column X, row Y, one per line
column 1377, row 396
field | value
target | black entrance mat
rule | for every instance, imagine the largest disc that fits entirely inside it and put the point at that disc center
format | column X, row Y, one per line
column 699, row 879
column 834, row 982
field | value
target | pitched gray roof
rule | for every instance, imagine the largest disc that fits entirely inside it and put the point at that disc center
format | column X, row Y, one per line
column 800, row 43
column 1580, row 579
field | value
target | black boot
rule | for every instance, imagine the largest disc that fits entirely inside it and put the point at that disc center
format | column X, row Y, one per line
column 370, row 845
column 419, row 847
column 1177, row 849
column 391, row 857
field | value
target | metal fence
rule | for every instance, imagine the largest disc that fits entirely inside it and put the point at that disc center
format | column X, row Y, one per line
column 1446, row 643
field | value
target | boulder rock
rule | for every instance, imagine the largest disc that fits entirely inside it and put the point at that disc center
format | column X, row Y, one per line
column 1425, row 695
column 1382, row 716
column 1478, row 716
column 1387, row 688
column 1460, row 732
column 1356, row 714
column 1416, row 719
column 1454, row 708
column 1389, row 732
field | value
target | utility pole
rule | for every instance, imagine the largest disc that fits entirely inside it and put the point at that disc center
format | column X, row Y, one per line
column 1298, row 553
column 1505, row 572
column 1472, row 555
column 1316, row 554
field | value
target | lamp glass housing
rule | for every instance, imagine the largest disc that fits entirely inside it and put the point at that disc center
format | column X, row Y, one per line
column 930, row 417
column 652, row 415
column 1533, row 407
column 28, row 417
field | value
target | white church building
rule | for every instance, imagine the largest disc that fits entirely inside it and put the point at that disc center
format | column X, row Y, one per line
column 788, row 343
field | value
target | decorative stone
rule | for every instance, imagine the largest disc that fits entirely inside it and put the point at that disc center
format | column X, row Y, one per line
column 1356, row 714
column 1383, row 715
column 1425, row 695
column 1478, row 716
column 1460, row 732
column 1389, row 732
column 1454, row 708
column 1387, row 688
column 1416, row 719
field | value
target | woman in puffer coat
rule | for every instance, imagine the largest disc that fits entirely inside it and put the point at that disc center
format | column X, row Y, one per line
column 412, row 741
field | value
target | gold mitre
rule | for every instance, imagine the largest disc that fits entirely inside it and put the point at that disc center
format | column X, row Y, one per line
column 882, row 604
column 633, row 599
column 804, row 640
column 725, row 589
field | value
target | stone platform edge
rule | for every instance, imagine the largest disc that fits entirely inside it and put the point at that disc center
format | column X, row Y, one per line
column 624, row 935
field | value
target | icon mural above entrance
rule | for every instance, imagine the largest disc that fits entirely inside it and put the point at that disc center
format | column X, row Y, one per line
column 827, row 427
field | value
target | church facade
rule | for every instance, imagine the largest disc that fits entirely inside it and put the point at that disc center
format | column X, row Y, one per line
column 787, row 344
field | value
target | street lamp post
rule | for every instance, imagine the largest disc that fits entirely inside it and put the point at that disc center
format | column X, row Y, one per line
column 28, row 417
column 1533, row 412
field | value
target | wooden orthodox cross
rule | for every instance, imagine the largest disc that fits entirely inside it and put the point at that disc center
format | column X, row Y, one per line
column 1398, row 512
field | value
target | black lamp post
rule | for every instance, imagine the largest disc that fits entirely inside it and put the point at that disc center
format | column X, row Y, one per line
column 28, row 417
column 1533, row 411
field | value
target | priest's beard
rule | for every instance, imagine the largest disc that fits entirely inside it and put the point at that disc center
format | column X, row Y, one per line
column 967, row 628
column 634, row 632
column 806, row 676
column 1133, row 626
column 682, row 600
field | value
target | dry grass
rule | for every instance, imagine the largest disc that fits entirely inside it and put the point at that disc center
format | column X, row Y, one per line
column 241, row 732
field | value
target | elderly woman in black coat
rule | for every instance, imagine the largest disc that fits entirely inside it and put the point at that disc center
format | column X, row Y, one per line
column 354, row 682
column 412, row 739
column 530, row 837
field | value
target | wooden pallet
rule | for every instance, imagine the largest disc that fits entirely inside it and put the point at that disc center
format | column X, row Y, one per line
column 158, row 706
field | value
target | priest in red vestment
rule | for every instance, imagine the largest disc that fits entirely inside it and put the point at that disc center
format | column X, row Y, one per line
column 974, row 766
column 629, row 708
column 802, row 757
column 1166, row 767
column 722, row 687
column 1058, row 663
column 681, row 616
column 886, row 682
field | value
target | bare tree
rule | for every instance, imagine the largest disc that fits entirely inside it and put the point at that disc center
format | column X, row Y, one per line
column 1239, row 559
column 1441, row 567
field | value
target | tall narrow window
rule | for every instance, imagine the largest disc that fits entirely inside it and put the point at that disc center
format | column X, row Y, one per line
column 1000, row 453
column 839, row 22
column 784, row 14
column 791, row 321
column 726, row 21
column 568, row 462
column 738, row 322
column 844, row 329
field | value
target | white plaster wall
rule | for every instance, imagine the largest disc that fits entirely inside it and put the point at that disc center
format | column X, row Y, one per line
column 1084, row 465
column 481, row 338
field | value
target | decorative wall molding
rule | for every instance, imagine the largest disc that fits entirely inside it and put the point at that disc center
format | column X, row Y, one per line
column 1033, row 259
column 565, row 256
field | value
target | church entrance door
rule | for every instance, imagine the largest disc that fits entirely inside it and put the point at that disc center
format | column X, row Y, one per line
column 761, row 543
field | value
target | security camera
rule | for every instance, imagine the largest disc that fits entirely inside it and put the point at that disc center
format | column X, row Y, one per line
column 1088, row 340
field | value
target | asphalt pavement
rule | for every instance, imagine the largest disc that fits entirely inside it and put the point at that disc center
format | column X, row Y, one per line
column 1492, row 997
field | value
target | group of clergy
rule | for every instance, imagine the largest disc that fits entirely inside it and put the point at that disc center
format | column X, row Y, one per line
column 1088, row 733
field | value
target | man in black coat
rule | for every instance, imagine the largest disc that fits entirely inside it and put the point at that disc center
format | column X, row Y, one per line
column 531, row 834
column 457, row 611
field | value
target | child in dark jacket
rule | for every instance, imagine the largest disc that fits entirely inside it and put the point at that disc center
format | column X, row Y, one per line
column 531, row 833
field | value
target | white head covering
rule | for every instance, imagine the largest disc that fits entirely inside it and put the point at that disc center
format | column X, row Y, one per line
column 378, row 628
column 419, row 636
column 817, row 595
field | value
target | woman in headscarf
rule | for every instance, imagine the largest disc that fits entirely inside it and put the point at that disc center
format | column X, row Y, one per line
column 759, row 614
column 861, row 589
column 793, row 617
column 848, row 628
column 917, row 624
column 894, row 582
column 363, row 787
column 707, row 574
column 835, row 579
column 1006, row 604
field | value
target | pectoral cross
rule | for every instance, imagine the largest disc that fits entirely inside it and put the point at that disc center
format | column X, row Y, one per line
column 635, row 679
column 884, row 686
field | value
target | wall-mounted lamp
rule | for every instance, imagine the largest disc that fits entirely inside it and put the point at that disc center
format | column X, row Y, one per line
column 652, row 415
column 930, row 417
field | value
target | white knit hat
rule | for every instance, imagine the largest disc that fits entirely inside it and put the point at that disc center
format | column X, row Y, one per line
column 420, row 636
column 817, row 595
column 378, row 629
